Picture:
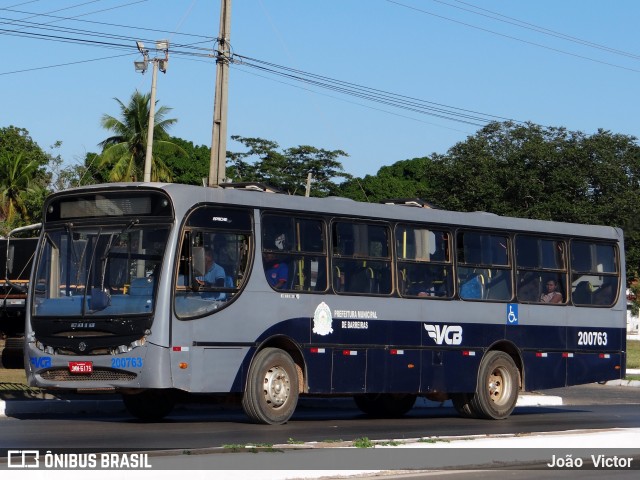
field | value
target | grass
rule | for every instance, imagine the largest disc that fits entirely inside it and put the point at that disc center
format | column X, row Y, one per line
column 363, row 442
column 13, row 376
column 633, row 354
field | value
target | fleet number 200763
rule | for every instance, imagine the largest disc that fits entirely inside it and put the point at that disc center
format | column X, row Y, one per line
column 592, row 338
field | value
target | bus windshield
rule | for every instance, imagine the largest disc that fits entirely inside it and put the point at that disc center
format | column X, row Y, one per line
column 99, row 271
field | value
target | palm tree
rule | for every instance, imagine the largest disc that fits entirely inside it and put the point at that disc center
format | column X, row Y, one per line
column 15, row 180
column 124, row 152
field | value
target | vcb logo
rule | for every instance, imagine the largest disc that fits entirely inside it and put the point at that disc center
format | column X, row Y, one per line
column 23, row 459
column 40, row 362
column 449, row 334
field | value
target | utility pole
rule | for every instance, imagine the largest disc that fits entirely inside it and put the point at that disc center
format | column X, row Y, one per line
column 217, row 167
column 160, row 63
column 307, row 191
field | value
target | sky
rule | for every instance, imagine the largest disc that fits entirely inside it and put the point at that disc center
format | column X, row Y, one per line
column 572, row 64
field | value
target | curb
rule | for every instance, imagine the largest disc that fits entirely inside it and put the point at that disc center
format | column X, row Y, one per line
column 625, row 383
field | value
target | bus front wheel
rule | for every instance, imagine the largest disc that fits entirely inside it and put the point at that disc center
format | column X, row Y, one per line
column 497, row 389
column 271, row 393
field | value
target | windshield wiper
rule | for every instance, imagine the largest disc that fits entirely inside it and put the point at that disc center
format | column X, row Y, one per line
column 130, row 225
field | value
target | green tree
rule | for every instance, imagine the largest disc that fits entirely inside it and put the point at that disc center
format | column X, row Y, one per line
column 403, row 179
column 23, row 176
column 287, row 170
column 192, row 166
column 16, row 175
column 124, row 152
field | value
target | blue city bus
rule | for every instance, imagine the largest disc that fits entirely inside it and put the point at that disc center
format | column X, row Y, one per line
column 149, row 290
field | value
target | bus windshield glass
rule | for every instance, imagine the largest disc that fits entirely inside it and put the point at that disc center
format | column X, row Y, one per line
column 99, row 271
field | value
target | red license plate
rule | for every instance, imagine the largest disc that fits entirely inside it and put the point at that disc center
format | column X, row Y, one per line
column 81, row 367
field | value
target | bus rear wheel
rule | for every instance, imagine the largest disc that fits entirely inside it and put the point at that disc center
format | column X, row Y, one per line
column 271, row 393
column 149, row 405
column 387, row 405
column 497, row 388
column 462, row 404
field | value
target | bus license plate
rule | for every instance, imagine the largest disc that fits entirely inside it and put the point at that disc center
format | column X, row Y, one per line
column 81, row 367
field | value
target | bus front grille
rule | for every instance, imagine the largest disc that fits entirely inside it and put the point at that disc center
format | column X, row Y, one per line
column 98, row 375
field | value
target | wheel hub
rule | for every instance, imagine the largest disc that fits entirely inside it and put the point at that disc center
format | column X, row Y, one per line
column 496, row 386
column 276, row 386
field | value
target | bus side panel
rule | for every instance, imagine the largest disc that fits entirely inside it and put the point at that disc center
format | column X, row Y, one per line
column 594, row 367
column 540, row 337
column 319, row 363
column 544, row 369
column 393, row 370
column 349, row 370
column 218, row 369
column 593, row 360
column 450, row 370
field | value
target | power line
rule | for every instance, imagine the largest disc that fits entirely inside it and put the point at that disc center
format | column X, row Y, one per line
column 136, row 28
column 63, row 64
column 511, row 37
column 348, row 101
column 404, row 102
column 79, row 36
column 538, row 28
column 114, row 41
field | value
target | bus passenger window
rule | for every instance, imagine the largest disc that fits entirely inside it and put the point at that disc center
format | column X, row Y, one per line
column 484, row 270
column 294, row 253
column 361, row 258
column 541, row 264
column 595, row 273
column 424, row 267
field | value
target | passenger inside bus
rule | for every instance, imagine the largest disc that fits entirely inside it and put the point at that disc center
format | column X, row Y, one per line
column 552, row 294
column 214, row 276
column 277, row 271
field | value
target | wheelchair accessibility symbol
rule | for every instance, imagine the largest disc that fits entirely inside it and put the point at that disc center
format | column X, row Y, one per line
column 512, row 314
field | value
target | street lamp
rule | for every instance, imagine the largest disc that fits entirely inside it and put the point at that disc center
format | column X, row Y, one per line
column 141, row 66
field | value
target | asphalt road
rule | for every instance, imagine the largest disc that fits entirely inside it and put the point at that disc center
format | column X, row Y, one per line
column 586, row 407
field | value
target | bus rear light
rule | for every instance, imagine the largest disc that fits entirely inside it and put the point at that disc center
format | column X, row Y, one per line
column 317, row 350
column 180, row 349
column 604, row 355
column 396, row 352
column 541, row 354
column 468, row 353
column 349, row 352
column 567, row 355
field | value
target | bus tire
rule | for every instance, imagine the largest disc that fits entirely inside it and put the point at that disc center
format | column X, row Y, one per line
column 12, row 359
column 497, row 388
column 462, row 404
column 149, row 405
column 385, row 405
column 271, row 392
